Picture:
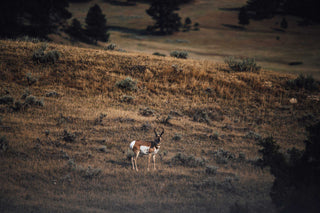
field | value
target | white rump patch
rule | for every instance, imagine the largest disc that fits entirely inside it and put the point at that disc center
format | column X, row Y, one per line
column 144, row 150
column 132, row 144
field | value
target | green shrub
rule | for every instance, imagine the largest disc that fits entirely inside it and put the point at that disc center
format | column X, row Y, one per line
column 239, row 208
column 146, row 112
column 177, row 137
column 159, row 54
column 40, row 56
column 127, row 98
column 201, row 116
column 242, row 65
column 211, row 170
column 32, row 101
column 188, row 161
column 4, row 144
column 29, row 39
column 130, row 154
column 127, row 84
column 31, row 80
column 222, row 157
column 179, row 54
column 68, row 136
column 303, row 82
column 111, row 47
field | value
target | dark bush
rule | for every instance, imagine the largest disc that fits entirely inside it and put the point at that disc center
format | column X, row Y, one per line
column 7, row 100
column 4, row 144
column 239, row 208
column 304, row 82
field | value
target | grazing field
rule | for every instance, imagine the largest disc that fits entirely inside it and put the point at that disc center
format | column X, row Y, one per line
column 67, row 117
column 293, row 50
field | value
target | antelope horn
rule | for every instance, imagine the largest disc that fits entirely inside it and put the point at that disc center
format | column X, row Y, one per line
column 162, row 131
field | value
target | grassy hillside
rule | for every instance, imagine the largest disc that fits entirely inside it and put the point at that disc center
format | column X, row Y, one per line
column 220, row 35
column 68, row 126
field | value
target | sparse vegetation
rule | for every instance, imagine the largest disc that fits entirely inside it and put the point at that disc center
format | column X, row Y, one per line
column 74, row 150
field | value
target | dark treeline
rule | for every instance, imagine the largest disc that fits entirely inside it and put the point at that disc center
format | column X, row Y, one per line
column 297, row 173
column 306, row 9
column 32, row 17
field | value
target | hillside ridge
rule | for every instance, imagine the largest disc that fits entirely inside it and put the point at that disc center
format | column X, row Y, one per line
column 67, row 123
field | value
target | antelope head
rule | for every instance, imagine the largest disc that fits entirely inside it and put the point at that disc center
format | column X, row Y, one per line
column 158, row 136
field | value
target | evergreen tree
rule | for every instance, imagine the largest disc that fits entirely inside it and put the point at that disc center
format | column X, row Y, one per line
column 284, row 24
column 77, row 32
column 297, row 180
column 162, row 11
column 262, row 8
column 243, row 16
column 96, row 24
column 187, row 24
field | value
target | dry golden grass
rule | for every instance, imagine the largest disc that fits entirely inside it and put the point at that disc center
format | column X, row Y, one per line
column 210, row 108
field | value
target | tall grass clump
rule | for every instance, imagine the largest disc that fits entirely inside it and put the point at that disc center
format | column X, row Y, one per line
column 303, row 82
column 127, row 84
column 179, row 54
column 242, row 65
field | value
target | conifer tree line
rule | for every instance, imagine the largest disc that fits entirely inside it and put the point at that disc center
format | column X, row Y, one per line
column 38, row 18
column 262, row 9
column 32, row 17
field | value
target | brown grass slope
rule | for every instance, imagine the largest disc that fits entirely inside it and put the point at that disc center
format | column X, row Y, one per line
column 70, row 153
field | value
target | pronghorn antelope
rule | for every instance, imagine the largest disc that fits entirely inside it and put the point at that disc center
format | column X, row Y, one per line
column 146, row 148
